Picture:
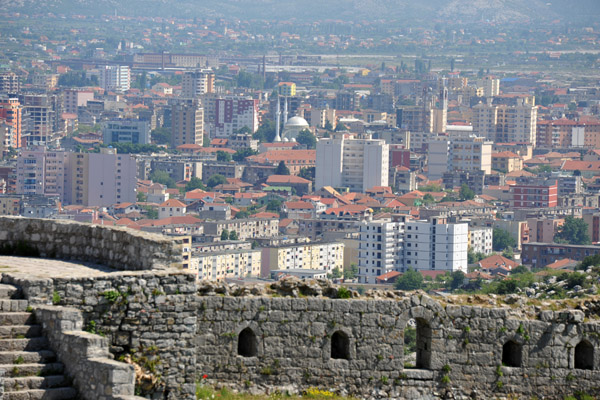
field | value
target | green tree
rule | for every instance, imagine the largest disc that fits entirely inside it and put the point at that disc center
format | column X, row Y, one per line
column 141, row 197
column 223, row 156
column 466, row 193
column 194, row 183
column 428, row 199
column 521, row 269
column 241, row 154
column 266, row 131
column 307, row 173
column 151, row 213
column 225, row 235
column 432, row 187
column 457, row 279
column 573, row 231
column 410, row 280
column 502, row 240
column 351, row 272
column 216, row 180
column 274, row 205
column 328, row 126
column 163, row 178
column 161, row 136
column 282, row 169
column 473, row 257
column 306, row 138
column 242, row 215
column 340, row 127
column 233, row 235
column 335, row 274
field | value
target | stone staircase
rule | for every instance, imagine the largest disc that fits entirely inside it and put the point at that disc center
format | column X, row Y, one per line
column 32, row 370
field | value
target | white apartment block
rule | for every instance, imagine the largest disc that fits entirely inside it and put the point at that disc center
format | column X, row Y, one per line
column 490, row 86
column 358, row 164
column 230, row 264
column 234, row 113
column 325, row 256
column 196, row 83
column 481, row 240
column 187, row 123
column 115, row 77
column 380, row 249
column 435, row 246
column 126, row 131
column 464, row 152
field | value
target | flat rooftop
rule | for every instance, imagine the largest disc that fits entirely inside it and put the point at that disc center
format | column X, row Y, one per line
column 48, row 268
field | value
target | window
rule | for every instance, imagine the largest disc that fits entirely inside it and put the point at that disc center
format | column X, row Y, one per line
column 584, row 355
column 340, row 346
column 512, row 354
column 417, row 339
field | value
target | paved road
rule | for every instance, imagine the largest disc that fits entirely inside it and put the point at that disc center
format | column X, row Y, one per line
column 43, row 268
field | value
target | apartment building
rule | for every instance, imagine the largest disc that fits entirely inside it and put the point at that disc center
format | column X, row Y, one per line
column 504, row 123
column 115, row 78
column 43, row 172
column 232, row 264
column 9, row 82
column 11, row 112
column 481, row 239
column 358, row 164
column 197, row 83
column 246, row 229
column 322, row 256
column 436, row 245
column 465, row 152
column 187, row 123
column 75, row 98
column 534, row 192
column 233, row 113
column 381, row 249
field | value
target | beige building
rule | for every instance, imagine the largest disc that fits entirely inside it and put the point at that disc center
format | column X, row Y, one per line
column 542, row 230
column 312, row 256
column 505, row 124
column 320, row 116
column 490, row 86
column 506, row 161
column 197, row 83
column 246, row 229
column 229, row 264
column 187, row 123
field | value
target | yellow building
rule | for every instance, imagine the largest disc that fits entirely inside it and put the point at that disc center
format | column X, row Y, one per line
column 287, row 89
column 314, row 256
column 230, row 264
column 10, row 205
column 507, row 161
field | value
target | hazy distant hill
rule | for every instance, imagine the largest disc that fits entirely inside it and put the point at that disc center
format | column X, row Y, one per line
column 416, row 11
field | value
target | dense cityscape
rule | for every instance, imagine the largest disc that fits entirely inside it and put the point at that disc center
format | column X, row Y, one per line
column 455, row 152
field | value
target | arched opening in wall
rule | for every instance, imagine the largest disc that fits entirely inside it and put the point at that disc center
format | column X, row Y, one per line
column 584, row 355
column 512, row 354
column 417, row 344
column 340, row 346
column 247, row 346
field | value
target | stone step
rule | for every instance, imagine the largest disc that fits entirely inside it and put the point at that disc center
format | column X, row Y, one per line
column 27, row 370
column 13, row 305
column 9, row 292
column 27, row 357
column 20, row 331
column 35, row 382
column 42, row 394
column 16, row 318
column 30, row 344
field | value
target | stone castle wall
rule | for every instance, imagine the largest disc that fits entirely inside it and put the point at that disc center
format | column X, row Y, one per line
column 147, row 317
column 460, row 348
column 111, row 246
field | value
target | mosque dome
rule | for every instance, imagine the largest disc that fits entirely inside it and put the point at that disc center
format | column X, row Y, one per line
column 296, row 121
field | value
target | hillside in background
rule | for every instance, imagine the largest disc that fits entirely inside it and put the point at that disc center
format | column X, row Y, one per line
column 407, row 11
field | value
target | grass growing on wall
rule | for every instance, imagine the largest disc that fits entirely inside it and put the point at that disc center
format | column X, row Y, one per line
column 208, row 393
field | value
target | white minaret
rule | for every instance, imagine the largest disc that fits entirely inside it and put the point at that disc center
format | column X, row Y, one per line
column 285, row 112
column 277, row 122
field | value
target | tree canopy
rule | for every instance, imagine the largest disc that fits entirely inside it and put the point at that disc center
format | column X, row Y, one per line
column 266, row 131
column 410, row 280
column 223, row 156
column 163, row 178
column 573, row 231
column 216, row 180
column 466, row 193
column 306, row 138
column 502, row 240
column 241, row 154
column 282, row 169
column 194, row 183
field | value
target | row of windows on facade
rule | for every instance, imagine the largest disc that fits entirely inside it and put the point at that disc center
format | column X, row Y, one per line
column 512, row 352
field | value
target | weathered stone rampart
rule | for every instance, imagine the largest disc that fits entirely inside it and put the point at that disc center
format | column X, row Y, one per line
column 470, row 351
column 148, row 318
column 114, row 247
